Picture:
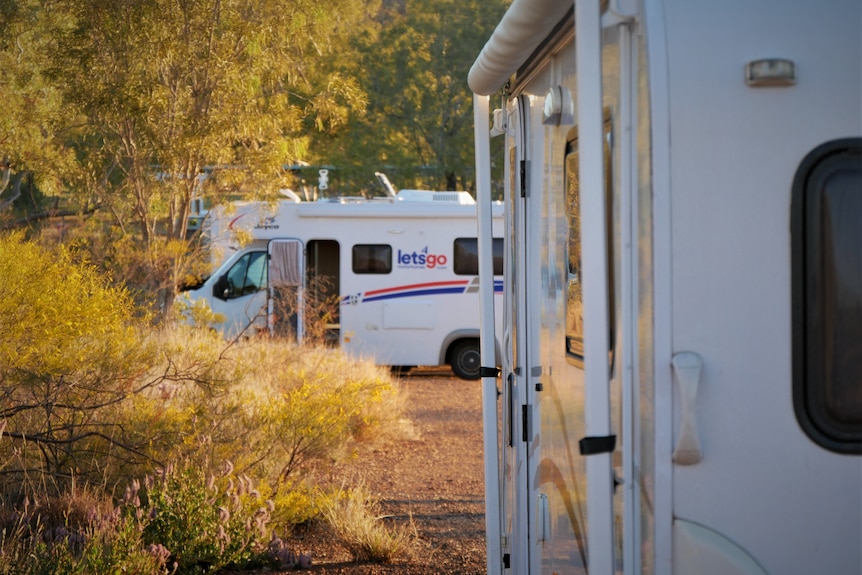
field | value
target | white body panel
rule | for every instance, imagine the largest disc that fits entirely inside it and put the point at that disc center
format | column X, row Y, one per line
column 730, row 255
column 413, row 314
column 716, row 471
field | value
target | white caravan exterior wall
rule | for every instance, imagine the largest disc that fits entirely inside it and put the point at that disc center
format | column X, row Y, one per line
column 420, row 311
column 654, row 257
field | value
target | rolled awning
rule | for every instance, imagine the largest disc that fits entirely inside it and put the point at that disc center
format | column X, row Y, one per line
column 523, row 27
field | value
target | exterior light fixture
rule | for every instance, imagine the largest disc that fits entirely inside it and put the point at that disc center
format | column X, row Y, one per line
column 770, row 72
column 559, row 109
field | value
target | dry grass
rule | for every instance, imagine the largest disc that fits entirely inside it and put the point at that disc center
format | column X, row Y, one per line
column 353, row 516
column 277, row 410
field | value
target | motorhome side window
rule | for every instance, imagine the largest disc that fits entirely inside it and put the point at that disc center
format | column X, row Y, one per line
column 247, row 275
column 372, row 259
column 465, row 259
column 827, row 295
column 574, row 298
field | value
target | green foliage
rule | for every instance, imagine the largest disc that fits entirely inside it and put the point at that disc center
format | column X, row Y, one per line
column 68, row 356
column 172, row 91
column 310, row 407
column 87, row 398
column 122, row 107
column 290, row 408
column 32, row 542
column 114, row 547
column 179, row 522
column 33, row 114
column 198, row 313
column 119, row 109
column 413, row 65
column 353, row 516
column 297, row 502
column 57, row 314
column 206, row 523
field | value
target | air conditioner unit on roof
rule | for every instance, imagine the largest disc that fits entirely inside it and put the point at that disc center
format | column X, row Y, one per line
column 463, row 198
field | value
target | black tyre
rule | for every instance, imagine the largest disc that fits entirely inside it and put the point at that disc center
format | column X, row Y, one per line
column 465, row 359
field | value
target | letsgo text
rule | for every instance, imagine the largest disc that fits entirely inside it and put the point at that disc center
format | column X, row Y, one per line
column 422, row 258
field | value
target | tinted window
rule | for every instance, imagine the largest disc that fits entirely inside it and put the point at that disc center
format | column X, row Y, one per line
column 247, row 275
column 827, row 295
column 372, row 259
column 466, row 256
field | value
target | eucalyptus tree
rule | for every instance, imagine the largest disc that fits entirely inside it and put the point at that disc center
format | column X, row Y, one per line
column 32, row 115
column 193, row 97
column 413, row 65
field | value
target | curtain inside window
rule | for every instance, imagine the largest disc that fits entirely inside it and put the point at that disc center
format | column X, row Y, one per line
column 285, row 264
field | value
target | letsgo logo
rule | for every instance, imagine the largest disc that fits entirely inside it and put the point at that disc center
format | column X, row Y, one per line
column 421, row 259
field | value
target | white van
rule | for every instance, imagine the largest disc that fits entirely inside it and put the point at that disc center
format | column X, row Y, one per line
column 394, row 279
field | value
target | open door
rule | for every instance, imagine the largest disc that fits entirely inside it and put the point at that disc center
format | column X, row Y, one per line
column 322, row 292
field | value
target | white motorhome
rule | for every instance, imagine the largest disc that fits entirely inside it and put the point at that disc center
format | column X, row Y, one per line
column 682, row 360
column 400, row 274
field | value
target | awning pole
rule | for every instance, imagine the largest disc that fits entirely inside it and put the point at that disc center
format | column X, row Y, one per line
column 486, row 339
column 594, row 265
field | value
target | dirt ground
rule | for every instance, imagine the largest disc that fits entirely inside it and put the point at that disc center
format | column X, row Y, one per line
column 433, row 474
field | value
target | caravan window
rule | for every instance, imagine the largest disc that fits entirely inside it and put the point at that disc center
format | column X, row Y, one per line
column 466, row 257
column 372, row 259
column 827, row 295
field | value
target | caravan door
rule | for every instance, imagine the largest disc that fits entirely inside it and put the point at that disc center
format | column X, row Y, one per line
column 286, row 283
column 515, row 485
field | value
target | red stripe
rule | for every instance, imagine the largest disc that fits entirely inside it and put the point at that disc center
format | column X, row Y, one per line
column 233, row 221
column 416, row 286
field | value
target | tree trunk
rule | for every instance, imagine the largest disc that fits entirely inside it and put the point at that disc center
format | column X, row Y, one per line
column 16, row 190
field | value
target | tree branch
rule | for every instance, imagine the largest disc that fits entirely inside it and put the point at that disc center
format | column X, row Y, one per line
column 7, row 175
column 50, row 441
column 47, row 215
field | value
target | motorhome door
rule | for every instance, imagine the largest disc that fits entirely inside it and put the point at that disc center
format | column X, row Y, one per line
column 514, row 478
column 286, row 282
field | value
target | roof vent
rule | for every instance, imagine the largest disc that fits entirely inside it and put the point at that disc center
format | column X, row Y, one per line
column 463, row 198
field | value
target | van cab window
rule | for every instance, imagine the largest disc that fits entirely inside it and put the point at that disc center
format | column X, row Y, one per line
column 247, row 275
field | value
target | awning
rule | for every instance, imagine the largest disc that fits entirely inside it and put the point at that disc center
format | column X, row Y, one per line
column 525, row 24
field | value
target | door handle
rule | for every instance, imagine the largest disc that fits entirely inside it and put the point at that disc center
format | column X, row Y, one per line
column 687, row 366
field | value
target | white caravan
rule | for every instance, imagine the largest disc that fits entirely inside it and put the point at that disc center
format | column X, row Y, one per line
column 682, row 360
column 394, row 279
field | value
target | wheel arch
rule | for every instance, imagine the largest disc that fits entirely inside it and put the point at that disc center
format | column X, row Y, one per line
column 461, row 334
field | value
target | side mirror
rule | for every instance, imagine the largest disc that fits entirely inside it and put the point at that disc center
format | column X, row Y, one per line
column 221, row 288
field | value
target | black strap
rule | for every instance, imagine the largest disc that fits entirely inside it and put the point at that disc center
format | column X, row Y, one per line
column 594, row 445
column 488, row 372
